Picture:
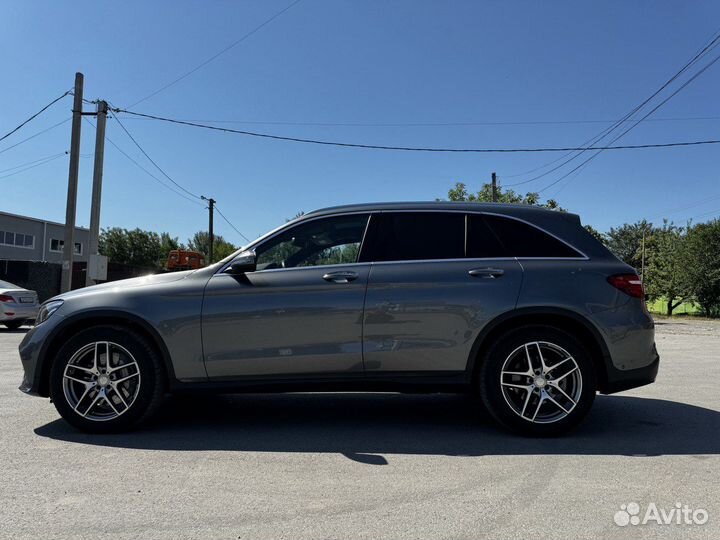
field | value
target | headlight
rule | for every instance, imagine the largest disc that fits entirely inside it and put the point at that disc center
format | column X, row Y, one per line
column 47, row 309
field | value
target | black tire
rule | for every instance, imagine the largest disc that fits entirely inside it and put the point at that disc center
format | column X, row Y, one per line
column 501, row 409
column 152, row 379
column 13, row 325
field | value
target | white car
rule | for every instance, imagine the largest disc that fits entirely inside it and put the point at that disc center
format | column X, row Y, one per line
column 18, row 306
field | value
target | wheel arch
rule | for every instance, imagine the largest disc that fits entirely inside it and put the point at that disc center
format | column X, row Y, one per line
column 81, row 321
column 563, row 319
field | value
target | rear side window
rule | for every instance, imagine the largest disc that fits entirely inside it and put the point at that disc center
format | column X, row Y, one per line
column 519, row 239
column 412, row 236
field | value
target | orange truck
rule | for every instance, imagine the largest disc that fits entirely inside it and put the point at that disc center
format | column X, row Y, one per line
column 183, row 259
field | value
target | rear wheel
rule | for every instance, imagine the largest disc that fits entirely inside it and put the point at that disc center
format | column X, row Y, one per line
column 106, row 379
column 13, row 325
column 537, row 380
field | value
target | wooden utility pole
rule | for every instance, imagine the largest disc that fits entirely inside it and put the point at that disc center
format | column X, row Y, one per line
column 211, row 236
column 102, row 109
column 70, row 209
column 494, row 187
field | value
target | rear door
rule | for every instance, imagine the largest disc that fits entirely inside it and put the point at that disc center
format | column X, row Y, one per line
column 437, row 278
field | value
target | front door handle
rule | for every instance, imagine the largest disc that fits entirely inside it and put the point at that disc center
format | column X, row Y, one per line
column 487, row 273
column 340, row 277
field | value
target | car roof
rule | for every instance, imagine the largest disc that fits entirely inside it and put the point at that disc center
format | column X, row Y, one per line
column 502, row 208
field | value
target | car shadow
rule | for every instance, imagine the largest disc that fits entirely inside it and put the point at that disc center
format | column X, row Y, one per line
column 363, row 427
column 21, row 330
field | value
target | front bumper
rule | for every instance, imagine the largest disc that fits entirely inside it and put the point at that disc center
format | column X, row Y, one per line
column 30, row 350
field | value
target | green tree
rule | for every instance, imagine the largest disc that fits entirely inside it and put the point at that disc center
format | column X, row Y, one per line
column 702, row 265
column 460, row 193
column 664, row 268
column 221, row 247
column 135, row 247
column 626, row 241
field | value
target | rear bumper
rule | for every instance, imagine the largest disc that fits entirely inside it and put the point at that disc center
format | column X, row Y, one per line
column 19, row 312
column 619, row 380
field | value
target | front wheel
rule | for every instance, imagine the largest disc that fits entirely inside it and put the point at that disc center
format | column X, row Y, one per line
column 106, row 379
column 537, row 380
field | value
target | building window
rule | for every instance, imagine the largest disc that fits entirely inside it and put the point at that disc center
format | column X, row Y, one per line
column 58, row 245
column 17, row 239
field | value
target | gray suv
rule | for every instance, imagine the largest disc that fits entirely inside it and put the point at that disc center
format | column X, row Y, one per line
column 518, row 304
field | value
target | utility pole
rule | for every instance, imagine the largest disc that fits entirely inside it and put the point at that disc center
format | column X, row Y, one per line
column 494, row 187
column 102, row 109
column 70, row 209
column 642, row 264
column 211, row 236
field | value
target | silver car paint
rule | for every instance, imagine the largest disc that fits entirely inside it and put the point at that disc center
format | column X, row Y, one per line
column 411, row 324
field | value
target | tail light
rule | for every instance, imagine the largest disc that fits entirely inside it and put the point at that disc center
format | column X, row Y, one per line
column 630, row 284
column 6, row 298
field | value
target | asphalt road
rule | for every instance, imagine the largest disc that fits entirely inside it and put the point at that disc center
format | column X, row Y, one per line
column 368, row 465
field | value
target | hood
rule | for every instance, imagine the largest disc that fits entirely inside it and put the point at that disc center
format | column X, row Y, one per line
column 122, row 284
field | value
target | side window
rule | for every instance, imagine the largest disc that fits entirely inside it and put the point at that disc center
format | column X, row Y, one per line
column 412, row 236
column 522, row 240
column 482, row 242
column 334, row 240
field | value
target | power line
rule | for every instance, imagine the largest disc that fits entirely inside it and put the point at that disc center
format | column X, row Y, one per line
column 151, row 175
column 600, row 150
column 439, row 124
column 589, row 144
column 166, row 175
column 43, row 162
column 46, row 107
column 229, row 223
column 216, row 55
column 32, row 162
column 36, row 134
column 411, row 148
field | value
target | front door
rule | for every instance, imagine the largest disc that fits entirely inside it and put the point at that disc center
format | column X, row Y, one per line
column 299, row 313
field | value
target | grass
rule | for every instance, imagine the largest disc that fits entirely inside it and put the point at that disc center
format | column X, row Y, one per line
column 686, row 308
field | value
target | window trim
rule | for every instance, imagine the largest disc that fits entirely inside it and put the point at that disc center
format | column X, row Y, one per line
column 272, row 234
column 268, row 236
column 32, row 246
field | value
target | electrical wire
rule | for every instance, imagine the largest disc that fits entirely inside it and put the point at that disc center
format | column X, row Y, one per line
column 438, row 124
column 32, row 162
column 410, row 148
column 47, row 160
column 151, row 175
column 46, row 107
column 697, row 57
column 37, row 134
column 600, row 150
column 229, row 223
column 166, row 175
column 216, row 55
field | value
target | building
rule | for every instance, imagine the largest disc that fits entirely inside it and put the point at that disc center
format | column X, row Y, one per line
column 25, row 238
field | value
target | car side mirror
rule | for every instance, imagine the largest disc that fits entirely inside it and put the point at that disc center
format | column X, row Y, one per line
column 243, row 263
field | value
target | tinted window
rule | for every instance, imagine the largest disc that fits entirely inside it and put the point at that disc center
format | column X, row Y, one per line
column 411, row 236
column 318, row 242
column 523, row 240
column 482, row 242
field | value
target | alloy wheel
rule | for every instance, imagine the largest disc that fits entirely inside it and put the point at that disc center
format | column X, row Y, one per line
column 101, row 381
column 541, row 382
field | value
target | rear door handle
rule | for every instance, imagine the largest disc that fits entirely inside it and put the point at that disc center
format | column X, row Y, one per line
column 487, row 273
column 340, row 277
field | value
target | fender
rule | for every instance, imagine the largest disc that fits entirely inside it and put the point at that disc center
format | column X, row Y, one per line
column 530, row 313
column 111, row 316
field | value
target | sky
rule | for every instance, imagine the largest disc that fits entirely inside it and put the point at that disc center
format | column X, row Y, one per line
column 398, row 72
